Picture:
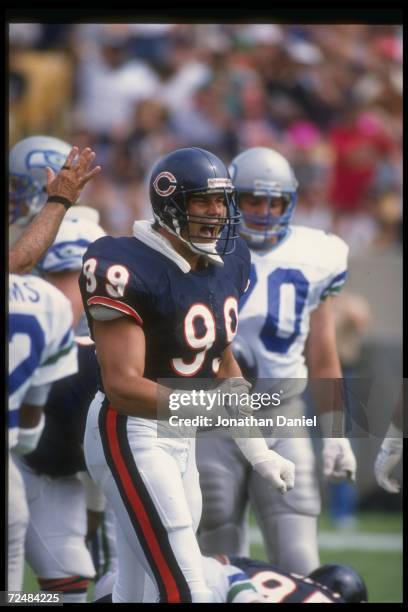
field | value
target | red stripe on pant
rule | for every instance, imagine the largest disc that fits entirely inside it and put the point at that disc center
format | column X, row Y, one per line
column 172, row 591
column 72, row 583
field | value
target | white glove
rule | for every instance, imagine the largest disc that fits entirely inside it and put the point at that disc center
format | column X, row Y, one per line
column 388, row 457
column 339, row 461
column 279, row 472
column 236, row 387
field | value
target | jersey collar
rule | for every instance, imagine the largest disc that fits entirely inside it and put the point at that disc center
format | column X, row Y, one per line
column 143, row 231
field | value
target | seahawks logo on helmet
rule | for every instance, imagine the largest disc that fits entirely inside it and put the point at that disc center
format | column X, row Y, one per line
column 41, row 159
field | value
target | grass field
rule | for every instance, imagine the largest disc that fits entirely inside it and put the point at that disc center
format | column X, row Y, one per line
column 373, row 547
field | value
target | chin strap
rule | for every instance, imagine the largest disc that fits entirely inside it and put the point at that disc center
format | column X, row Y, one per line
column 207, row 250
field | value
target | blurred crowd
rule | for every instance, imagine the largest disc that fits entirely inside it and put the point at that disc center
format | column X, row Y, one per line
column 328, row 97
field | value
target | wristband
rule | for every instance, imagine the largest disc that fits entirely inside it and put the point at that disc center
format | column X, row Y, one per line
column 29, row 437
column 61, row 200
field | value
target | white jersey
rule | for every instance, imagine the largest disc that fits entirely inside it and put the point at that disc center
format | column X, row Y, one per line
column 41, row 341
column 286, row 284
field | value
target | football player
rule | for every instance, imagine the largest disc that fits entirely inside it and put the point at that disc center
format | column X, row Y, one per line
column 247, row 580
column 33, row 163
column 41, row 350
column 286, row 319
column 56, row 549
column 243, row 580
column 163, row 304
column 55, row 541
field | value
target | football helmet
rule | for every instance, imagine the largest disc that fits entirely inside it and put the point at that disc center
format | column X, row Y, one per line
column 261, row 171
column 341, row 579
column 27, row 177
column 182, row 173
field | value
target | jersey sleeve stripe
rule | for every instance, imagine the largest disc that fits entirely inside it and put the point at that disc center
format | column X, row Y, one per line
column 13, row 419
column 238, row 588
column 335, row 285
column 57, row 356
column 340, row 277
column 68, row 337
column 116, row 305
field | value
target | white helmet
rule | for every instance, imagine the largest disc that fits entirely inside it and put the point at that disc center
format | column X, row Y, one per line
column 261, row 171
column 27, row 177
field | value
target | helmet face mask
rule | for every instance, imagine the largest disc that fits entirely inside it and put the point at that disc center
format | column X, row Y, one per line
column 263, row 172
column 175, row 180
column 27, row 179
column 262, row 229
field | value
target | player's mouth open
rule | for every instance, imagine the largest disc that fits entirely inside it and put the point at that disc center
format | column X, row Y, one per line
column 208, row 231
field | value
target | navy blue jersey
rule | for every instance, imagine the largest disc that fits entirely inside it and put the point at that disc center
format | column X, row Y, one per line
column 59, row 451
column 282, row 587
column 188, row 318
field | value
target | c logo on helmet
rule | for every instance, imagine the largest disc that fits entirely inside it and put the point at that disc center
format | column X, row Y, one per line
column 171, row 186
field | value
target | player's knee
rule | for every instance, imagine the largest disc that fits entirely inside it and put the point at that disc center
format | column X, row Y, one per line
column 300, row 557
column 291, row 541
column 219, row 504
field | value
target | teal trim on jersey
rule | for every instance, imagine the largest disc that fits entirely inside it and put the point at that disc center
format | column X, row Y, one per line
column 337, row 286
column 332, row 292
column 238, row 588
column 55, row 358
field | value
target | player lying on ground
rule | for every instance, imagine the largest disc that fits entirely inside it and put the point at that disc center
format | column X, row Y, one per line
column 244, row 580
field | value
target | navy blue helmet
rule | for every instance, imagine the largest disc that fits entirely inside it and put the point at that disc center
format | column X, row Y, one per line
column 342, row 579
column 189, row 171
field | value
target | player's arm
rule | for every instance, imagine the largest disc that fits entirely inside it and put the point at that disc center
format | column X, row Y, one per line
column 41, row 232
column 325, row 370
column 31, row 418
column 67, row 282
column 36, row 239
column 327, row 388
column 277, row 470
column 120, row 347
column 390, row 452
column 321, row 350
column 229, row 367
